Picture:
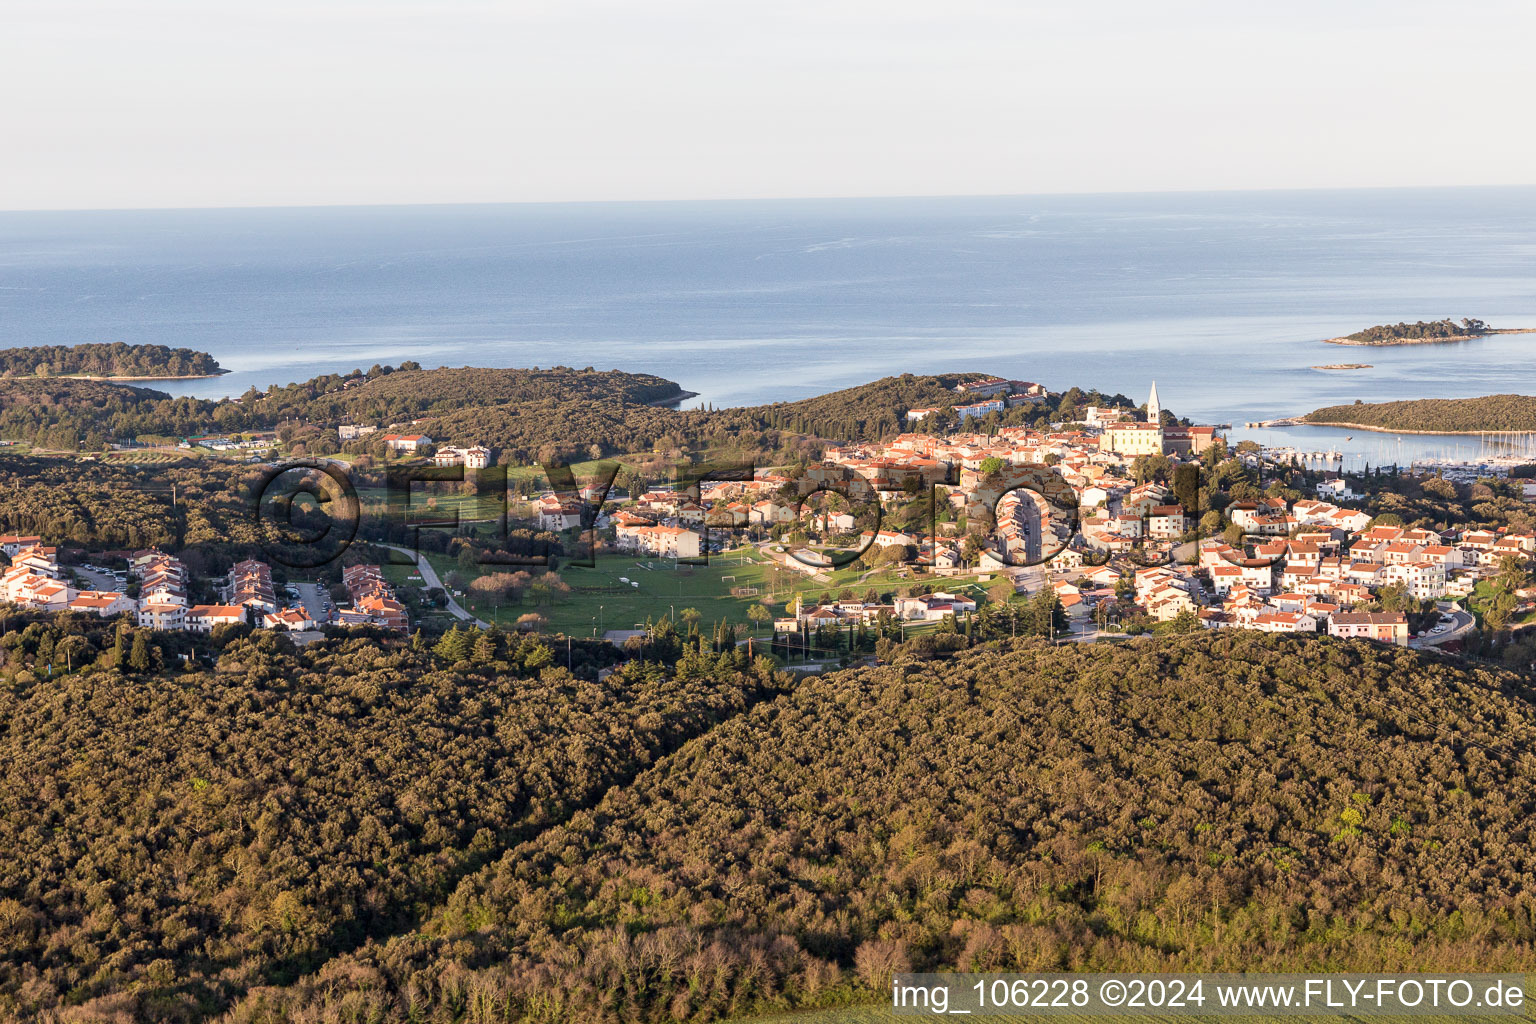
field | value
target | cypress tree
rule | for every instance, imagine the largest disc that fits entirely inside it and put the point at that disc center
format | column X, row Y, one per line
column 138, row 659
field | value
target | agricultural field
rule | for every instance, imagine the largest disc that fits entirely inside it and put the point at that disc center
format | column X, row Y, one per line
column 432, row 501
column 622, row 590
column 600, row 599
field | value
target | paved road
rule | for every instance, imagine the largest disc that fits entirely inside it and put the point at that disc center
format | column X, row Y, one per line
column 430, row 578
column 1459, row 628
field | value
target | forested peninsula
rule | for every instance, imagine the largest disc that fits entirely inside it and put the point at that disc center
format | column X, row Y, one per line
column 114, row 361
column 1488, row 414
column 530, row 415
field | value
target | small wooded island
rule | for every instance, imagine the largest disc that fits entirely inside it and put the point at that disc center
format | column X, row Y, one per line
column 1425, row 333
column 110, row 361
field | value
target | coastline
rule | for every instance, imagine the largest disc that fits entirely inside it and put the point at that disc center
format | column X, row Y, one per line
column 82, row 376
column 681, row 396
column 1428, row 341
column 116, row 380
column 1299, row 422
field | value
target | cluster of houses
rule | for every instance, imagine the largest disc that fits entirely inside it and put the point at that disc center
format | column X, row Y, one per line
column 922, row 608
column 473, row 457
column 249, row 586
column 1309, row 567
column 219, row 443
column 1117, row 431
column 978, row 397
column 35, row 580
column 468, row 456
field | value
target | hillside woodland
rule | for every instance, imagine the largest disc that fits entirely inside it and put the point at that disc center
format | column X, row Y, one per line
column 1211, row 802
column 173, row 839
column 530, row 415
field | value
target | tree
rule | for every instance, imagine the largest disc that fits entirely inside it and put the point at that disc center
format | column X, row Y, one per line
column 121, row 645
column 454, row 646
column 1514, row 573
column 1046, row 616
column 759, row 615
column 139, row 658
column 1150, row 468
column 1184, row 622
column 1498, row 612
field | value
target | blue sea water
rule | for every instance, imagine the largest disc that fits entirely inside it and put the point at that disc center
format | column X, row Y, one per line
column 1223, row 298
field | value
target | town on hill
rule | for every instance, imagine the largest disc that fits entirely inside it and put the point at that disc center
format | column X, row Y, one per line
column 1104, row 520
column 417, row 714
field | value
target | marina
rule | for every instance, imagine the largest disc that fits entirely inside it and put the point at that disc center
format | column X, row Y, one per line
column 1350, row 450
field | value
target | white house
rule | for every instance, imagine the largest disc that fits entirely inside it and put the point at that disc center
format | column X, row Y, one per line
column 662, row 541
column 409, row 443
column 931, row 607
column 204, row 617
column 105, row 603
column 162, row 616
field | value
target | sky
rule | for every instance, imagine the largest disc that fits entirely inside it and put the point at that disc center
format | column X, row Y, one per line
column 188, row 103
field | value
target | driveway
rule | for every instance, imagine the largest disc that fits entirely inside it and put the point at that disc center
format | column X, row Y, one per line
column 317, row 604
column 97, row 580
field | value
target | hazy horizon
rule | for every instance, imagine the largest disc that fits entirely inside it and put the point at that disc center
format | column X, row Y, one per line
column 724, row 200
column 175, row 104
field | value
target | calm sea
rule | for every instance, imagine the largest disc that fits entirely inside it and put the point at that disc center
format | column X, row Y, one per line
column 1222, row 298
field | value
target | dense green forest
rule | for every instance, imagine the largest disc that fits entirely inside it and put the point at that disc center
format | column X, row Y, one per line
column 103, row 506
column 83, row 415
column 106, row 360
column 1491, row 412
column 173, row 840
column 551, row 427
column 528, row 415
column 368, row 833
column 384, row 394
column 1434, row 330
